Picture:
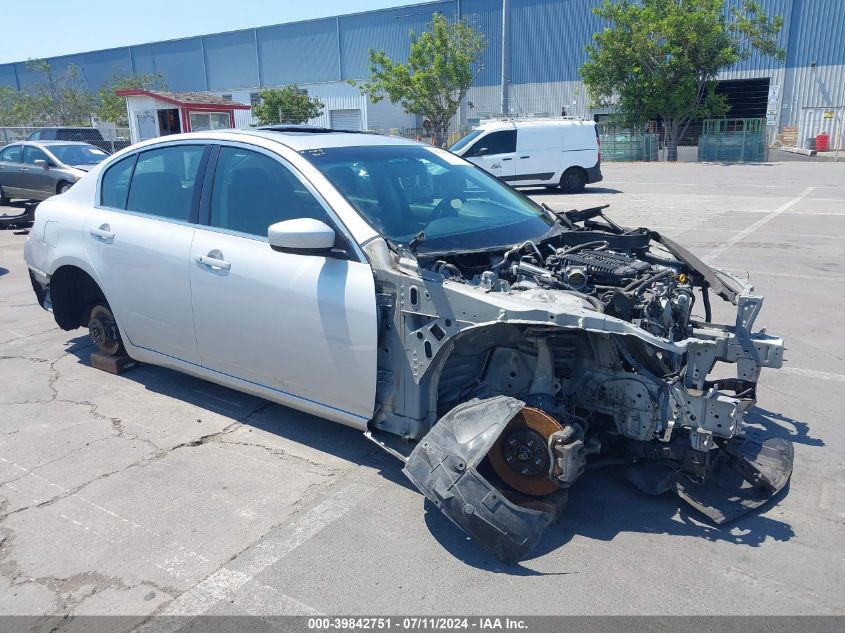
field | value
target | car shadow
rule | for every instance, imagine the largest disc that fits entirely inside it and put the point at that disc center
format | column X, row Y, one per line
column 542, row 191
column 601, row 505
column 765, row 423
column 295, row 426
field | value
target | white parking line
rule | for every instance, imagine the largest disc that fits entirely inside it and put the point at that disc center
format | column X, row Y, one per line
column 812, row 373
column 225, row 582
column 750, row 229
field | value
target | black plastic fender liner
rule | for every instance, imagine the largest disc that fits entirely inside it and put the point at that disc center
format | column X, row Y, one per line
column 443, row 466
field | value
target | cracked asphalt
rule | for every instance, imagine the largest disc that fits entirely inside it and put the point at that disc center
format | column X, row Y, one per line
column 156, row 493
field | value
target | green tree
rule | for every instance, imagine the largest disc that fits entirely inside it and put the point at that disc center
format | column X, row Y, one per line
column 57, row 98
column 113, row 108
column 441, row 67
column 660, row 58
column 286, row 105
column 12, row 108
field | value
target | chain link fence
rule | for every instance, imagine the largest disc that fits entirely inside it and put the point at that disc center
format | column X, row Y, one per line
column 108, row 138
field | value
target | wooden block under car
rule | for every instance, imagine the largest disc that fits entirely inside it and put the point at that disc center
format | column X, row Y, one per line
column 113, row 364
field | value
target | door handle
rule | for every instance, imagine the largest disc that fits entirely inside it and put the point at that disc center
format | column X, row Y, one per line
column 507, row 159
column 213, row 260
column 104, row 232
column 24, row 168
column 525, row 157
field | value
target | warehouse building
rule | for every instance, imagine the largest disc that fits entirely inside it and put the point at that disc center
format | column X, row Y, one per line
column 540, row 55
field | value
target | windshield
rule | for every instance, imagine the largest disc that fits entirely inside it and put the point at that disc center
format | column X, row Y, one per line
column 78, row 154
column 405, row 190
column 466, row 140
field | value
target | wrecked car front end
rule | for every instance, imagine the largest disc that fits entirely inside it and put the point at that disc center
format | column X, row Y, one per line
column 516, row 368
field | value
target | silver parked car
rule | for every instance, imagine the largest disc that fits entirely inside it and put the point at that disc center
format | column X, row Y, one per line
column 493, row 345
column 37, row 170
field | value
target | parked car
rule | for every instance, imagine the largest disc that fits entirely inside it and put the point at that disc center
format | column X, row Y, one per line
column 37, row 170
column 396, row 288
column 90, row 135
column 563, row 153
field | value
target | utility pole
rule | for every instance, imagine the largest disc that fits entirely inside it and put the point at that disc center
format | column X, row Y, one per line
column 506, row 6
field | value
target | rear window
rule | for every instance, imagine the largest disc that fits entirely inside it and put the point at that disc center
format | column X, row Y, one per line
column 78, row 134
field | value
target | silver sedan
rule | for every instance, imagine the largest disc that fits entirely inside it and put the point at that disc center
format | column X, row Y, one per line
column 37, row 170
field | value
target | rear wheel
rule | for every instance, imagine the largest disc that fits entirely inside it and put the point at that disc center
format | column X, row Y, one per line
column 102, row 328
column 63, row 186
column 573, row 180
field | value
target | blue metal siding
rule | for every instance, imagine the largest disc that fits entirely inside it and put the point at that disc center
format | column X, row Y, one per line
column 230, row 60
column 101, row 66
column 758, row 61
column 548, row 38
column 486, row 16
column 7, row 76
column 303, row 52
column 180, row 62
column 385, row 30
column 820, row 34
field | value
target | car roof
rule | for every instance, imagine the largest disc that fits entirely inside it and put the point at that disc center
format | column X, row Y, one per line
column 304, row 138
column 508, row 124
column 48, row 143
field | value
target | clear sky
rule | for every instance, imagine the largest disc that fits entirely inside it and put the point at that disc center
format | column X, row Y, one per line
column 44, row 28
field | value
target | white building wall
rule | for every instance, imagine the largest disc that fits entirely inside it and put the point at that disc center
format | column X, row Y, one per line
column 380, row 117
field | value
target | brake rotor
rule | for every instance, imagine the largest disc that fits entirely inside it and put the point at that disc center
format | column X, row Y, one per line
column 520, row 455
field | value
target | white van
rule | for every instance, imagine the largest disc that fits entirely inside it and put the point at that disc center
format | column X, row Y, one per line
column 561, row 153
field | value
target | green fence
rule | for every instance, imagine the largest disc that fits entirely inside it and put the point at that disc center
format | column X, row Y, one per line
column 733, row 140
column 619, row 146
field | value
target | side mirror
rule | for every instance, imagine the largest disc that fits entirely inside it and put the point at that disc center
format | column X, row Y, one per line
column 303, row 235
column 43, row 164
column 482, row 151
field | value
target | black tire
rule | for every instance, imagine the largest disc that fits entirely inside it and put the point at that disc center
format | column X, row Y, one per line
column 102, row 328
column 573, row 180
column 63, row 186
column 4, row 199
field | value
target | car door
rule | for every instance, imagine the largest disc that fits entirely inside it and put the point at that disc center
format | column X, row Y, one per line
column 37, row 180
column 495, row 153
column 139, row 241
column 302, row 325
column 538, row 154
column 11, row 159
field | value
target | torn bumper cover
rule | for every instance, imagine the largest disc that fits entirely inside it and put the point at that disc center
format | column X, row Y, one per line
column 444, row 468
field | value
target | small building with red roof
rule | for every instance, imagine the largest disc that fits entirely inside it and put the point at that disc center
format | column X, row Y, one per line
column 154, row 113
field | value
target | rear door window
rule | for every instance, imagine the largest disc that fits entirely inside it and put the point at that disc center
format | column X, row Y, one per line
column 252, row 191
column 11, row 154
column 503, row 142
column 164, row 180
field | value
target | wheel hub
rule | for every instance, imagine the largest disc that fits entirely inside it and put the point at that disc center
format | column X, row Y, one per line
column 525, row 452
column 520, row 455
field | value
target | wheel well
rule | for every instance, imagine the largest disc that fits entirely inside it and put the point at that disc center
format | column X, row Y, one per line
column 73, row 293
column 59, row 186
column 575, row 168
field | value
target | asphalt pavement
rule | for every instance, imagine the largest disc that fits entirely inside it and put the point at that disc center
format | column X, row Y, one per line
column 156, row 493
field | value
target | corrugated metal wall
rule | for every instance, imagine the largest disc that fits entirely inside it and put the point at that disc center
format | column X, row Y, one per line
column 547, row 39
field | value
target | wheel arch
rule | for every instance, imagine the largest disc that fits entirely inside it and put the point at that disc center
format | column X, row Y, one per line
column 73, row 292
